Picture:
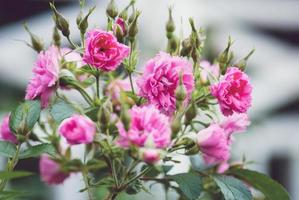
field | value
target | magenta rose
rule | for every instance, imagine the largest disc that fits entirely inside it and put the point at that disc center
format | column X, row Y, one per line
column 50, row 171
column 5, row 132
column 45, row 76
column 161, row 78
column 103, row 51
column 233, row 92
column 148, row 128
column 78, row 129
column 213, row 144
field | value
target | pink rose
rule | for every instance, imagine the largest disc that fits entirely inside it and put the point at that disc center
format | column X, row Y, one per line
column 120, row 22
column 151, row 156
column 50, row 171
column 78, row 129
column 45, row 76
column 5, row 132
column 161, row 78
column 233, row 92
column 207, row 70
column 103, row 51
column 236, row 123
column 213, row 144
column 148, row 128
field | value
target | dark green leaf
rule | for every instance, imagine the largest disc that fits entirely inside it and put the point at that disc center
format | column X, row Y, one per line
column 189, row 183
column 61, row 110
column 232, row 188
column 92, row 113
column 271, row 189
column 4, row 175
column 24, row 117
column 37, row 150
column 7, row 149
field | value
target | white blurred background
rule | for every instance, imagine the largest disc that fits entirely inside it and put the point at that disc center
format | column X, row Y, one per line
column 269, row 26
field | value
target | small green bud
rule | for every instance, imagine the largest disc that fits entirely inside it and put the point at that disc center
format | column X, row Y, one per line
column 186, row 47
column 170, row 26
column 83, row 24
column 180, row 92
column 56, row 37
column 190, row 113
column 104, row 116
column 225, row 57
column 111, row 10
column 243, row 62
column 176, row 126
column 192, row 151
column 125, row 117
column 36, row 42
column 79, row 18
column 118, row 32
column 173, row 45
column 124, row 14
column 133, row 28
column 61, row 23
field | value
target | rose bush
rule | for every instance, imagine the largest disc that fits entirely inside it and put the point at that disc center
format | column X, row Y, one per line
column 132, row 124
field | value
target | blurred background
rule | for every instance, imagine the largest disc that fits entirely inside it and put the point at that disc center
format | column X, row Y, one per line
column 269, row 26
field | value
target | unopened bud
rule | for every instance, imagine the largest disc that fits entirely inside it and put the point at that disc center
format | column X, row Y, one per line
column 124, row 14
column 133, row 28
column 125, row 117
column 104, row 117
column 151, row 156
column 61, row 23
column 192, row 151
column 190, row 113
column 243, row 62
column 170, row 26
column 111, row 9
column 186, row 47
column 83, row 24
column 173, row 44
column 180, row 92
column 36, row 42
column 118, row 32
column 56, row 37
column 225, row 57
column 176, row 126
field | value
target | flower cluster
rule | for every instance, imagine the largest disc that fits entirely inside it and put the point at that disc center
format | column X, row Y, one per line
column 126, row 118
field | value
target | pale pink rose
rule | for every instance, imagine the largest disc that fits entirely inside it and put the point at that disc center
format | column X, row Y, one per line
column 233, row 92
column 5, row 132
column 161, row 78
column 45, row 76
column 222, row 167
column 119, row 21
column 50, row 171
column 115, row 88
column 236, row 123
column 78, row 129
column 151, row 156
column 207, row 70
column 213, row 144
column 148, row 128
column 103, row 51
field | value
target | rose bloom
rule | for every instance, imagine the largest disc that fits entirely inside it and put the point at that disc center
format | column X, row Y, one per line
column 161, row 78
column 213, row 144
column 148, row 128
column 103, row 51
column 114, row 90
column 207, row 70
column 45, row 76
column 50, row 171
column 78, row 129
column 233, row 92
column 5, row 132
column 236, row 123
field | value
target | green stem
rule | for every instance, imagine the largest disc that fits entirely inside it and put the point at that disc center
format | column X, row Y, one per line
column 98, row 85
column 85, row 177
column 84, row 94
column 137, row 177
column 10, row 166
column 71, row 43
column 131, row 82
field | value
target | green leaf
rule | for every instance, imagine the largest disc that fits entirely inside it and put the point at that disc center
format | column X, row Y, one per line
column 4, row 175
column 7, row 149
column 37, row 150
column 189, row 183
column 6, row 195
column 232, row 188
column 24, row 117
column 270, row 188
column 61, row 110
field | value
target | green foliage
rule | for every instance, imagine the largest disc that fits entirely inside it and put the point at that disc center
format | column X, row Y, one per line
column 7, row 149
column 61, row 110
column 37, row 150
column 5, row 175
column 7, row 195
column 271, row 189
column 189, row 184
column 232, row 188
column 24, row 117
